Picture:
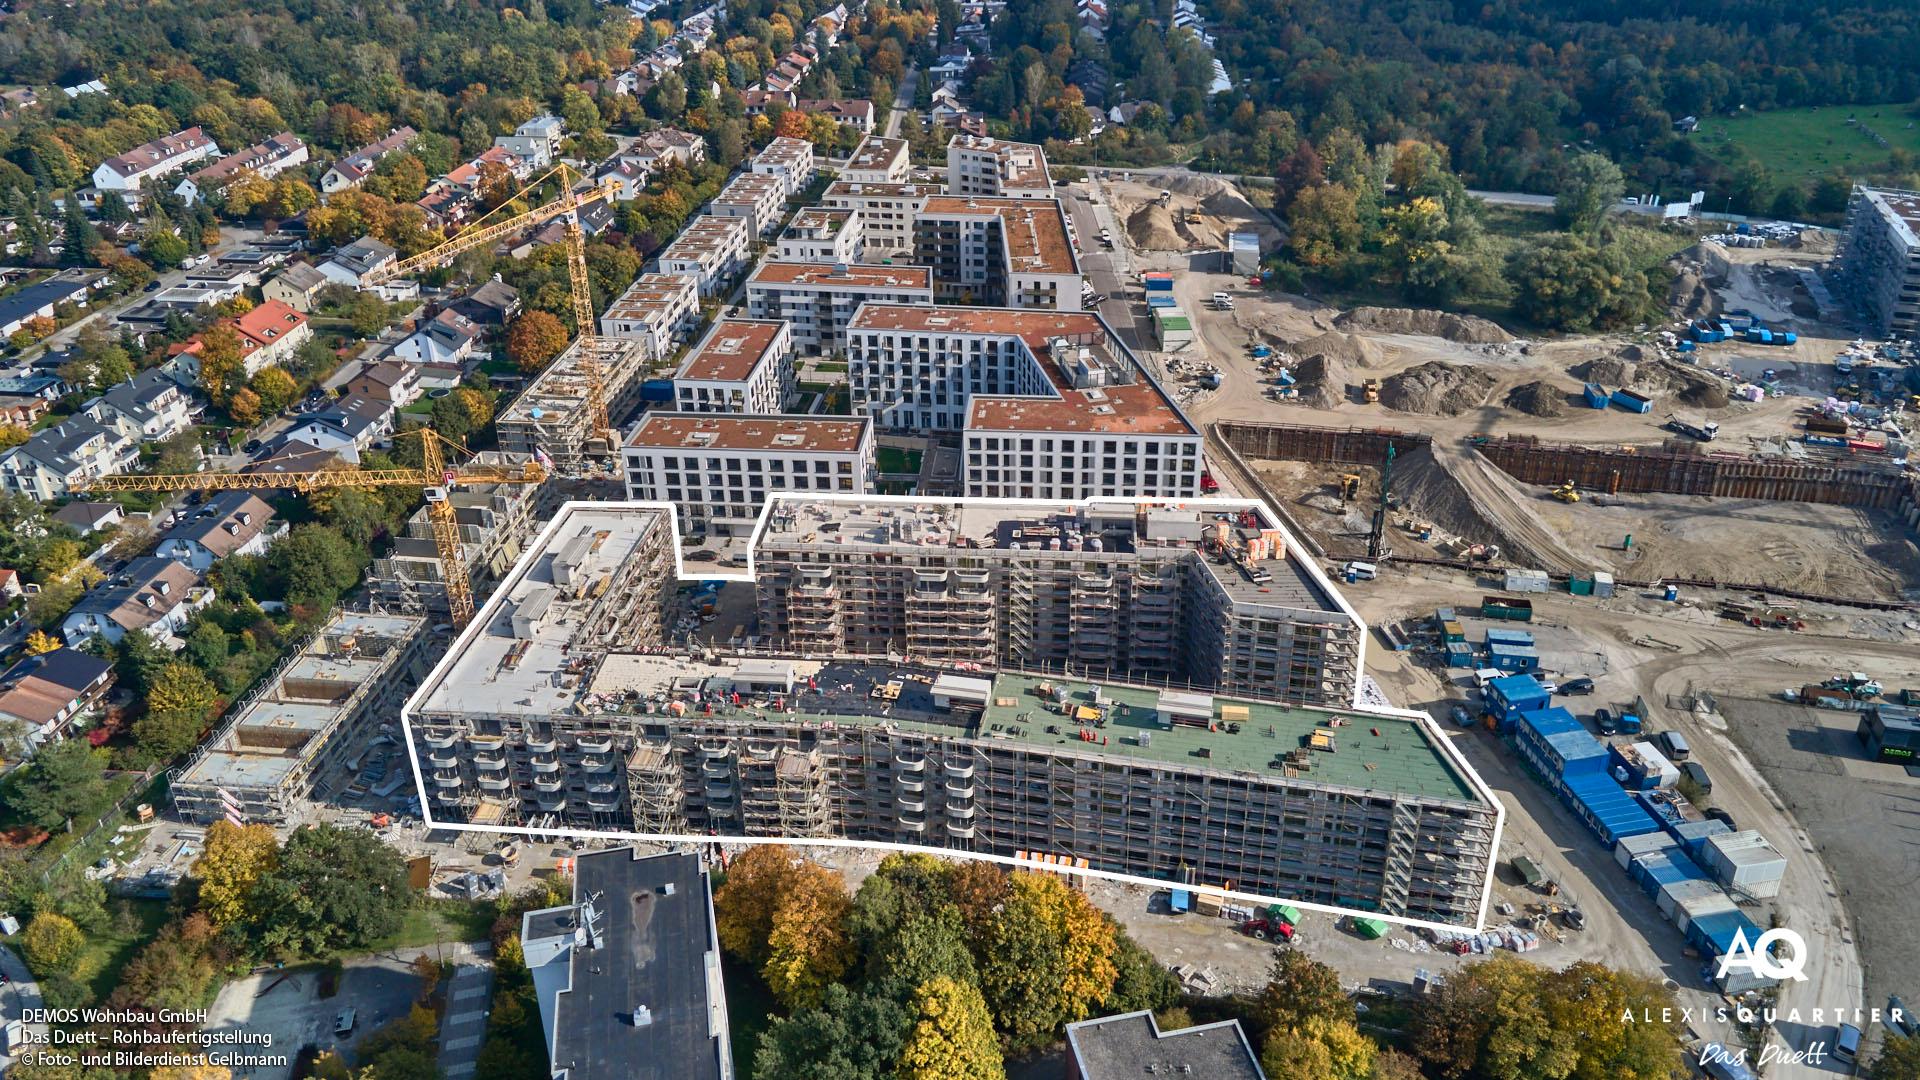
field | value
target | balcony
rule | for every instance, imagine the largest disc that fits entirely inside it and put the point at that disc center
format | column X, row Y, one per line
column 603, row 803
column 540, row 746
column 963, row 811
column 494, row 783
column 913, row 824
column 551, row 805
column 490, row 762
column 910, row 762
column 601, row 787
column 959, row 770
column 446, row 779
column 544, row 765
column 961, row 832
column 960, row 791
column 549, row 783
column 445, row 795
column 913, row 803
column 911, row 784
column 440, row 741
column 597, row 764
column 443, row 759
column 599, row 744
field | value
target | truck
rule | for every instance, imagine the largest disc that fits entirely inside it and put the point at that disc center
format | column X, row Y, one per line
column 1370, row 391
column 1504, row 607
column 1704, row 430
column 1631, row 401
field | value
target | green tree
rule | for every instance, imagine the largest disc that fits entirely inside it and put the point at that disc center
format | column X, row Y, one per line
column 1593, row 186
column 1325, row 225
column 952, row 1038
column 1049, row 961
column 1899, row 1059
column 236, row 860
column 179, row 700
column 334, row 888
column 1830, row 193
column 51, row 944
column 62, row 781
column 1566, row 283
column 315, row 565
column 1299, row 989
column 164, row 250
column 848, row 1036
column 275, row 388
column 1506, row 1019
column 1140, row 981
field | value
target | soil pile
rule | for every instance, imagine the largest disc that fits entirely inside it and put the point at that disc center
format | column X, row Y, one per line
column 1437, row 388
column 1322, row 381
column 1692, row 294
column 1150, row 228
column 1538, row 399
column 1465, row 329
column 1349, row 349
column 1817, row 241
column 1689, row 385
column 1606, row 370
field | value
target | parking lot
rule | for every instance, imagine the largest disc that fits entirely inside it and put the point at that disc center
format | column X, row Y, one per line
column 288, row 1007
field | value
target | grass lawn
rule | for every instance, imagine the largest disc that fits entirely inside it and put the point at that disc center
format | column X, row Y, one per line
column 1801, row 143
column 892, row 459
column 107, row 952
column 444, row 920
column 750, row 1009
column 828, row 367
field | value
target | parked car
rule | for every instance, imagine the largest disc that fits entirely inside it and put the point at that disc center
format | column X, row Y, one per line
column 1603, row 719
column 343, row 1023
column 152, row 286
column 1577, row 687
column 252, row 446
column 1721, row 816
column 1674, row 745
column 1693, row 771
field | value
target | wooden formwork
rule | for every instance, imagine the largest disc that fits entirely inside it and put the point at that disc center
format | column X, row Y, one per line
column 1296, row 442
column 1619, row 471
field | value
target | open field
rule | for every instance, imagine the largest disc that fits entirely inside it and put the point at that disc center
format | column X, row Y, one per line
column 1806, row 143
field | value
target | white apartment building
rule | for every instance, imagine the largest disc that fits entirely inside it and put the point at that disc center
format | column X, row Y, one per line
column 1005, row 252
column 789, row 159
column 878, row 160
column 1880, row 259
column 1049, row 404
column 151, row 161
column 887, row 213
column 536, row 142
column 718, row 470
column 977, row 165
column 819, row 299
column 758, row 198
column 816, row 235
column 711, row 249
column 657, row 309
column 741, row 366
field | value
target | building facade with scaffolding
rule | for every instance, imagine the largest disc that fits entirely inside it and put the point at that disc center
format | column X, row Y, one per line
column 1077, row 717
column 495, row 522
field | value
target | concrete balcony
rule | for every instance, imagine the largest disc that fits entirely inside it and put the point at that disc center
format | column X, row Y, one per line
column 960, row 832
column 439, row 741
column 494, row 783
column 540, row 746
column 599, row 744
column 552, row 783
column 443, row 759
column 446, row 779
column 490, row 762
column 544, row 765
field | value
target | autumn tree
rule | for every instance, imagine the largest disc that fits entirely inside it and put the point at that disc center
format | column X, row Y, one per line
column 1049, row 960
column 744, row 904
column 1899, row 1059
column 1566, row 283
column 40, row 642
column 1299, row 989
column 223, row 367
column 179, row 698
column 275, row 388
column 1321, row 1049
column 534, row 339
column 1325, row 222
column 952, row 1039
column 51, row 944
column 244, row 407
column 807, row 946
column 231, row 868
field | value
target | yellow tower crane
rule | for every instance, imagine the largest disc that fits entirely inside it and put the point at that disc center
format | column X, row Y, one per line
column 567, row 206
column 435, row 474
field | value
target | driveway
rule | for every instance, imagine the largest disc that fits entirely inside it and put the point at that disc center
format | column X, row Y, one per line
column 19, row 994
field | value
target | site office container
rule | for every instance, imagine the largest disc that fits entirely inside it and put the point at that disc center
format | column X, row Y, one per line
column 1610, row 812
column 1504, row 636
column 1657, row 870
column 1633, row 847
column 1693, row 836
column 1672, row 894
column 1698, row 905
column 1746, row 862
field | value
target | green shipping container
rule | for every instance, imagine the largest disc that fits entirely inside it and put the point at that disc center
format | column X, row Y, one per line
column 1580, row 586
column 1370, row 928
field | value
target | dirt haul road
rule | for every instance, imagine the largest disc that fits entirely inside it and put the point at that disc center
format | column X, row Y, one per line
column 1693, row 651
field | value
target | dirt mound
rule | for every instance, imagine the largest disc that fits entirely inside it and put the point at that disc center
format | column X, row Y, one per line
column 1817, row 241
column 1437, row 388
column 1688, row 384
column 1605, row 370
column 1538, row 399
column 1150, row 228
column 1465, row 329
column 1695, row 274
column 1322, row 380
column 1346, row 348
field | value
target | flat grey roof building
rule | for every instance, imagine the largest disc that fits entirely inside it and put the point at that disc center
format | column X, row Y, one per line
column 1132, row 1045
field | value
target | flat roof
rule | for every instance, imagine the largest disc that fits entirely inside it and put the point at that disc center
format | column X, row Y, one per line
column 876, row 152
column 784, row 150
column 732, row 350
column 1132, row 1044
column 869, row 189
column 1021, row 164
column 748, row 187
column 719, row 431
column 818, row 223
column 1139, row 406
column 656, row 953
column 1033, row 230
column 1900, row 208
column 843, row 275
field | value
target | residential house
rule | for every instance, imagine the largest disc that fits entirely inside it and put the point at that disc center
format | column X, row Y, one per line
column 46, row 693
column 47, row 466
column 537, row 142
column 494, row 303
column 632, row 173
column 853, row 112
column 37, row 301
column 271, row 334
column 22, row 411
column 390, row 381
column 47, row 386
column 665, row 146
column 146, row 408
column 151, row 161
column 352, row 171
column 298, row 287
column 267, row 160
column 10, row 587
column 151, row 595
column 351, row 263
column 285, row 455
column 348, row 426
column 759, row 101
column 447, row 338
column 229, row 523
column 86, row 517
column 14, row 101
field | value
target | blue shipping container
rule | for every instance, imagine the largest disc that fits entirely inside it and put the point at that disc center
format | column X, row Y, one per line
column 1514, row 657
column 1608, row 811
column 1660, row 869
column 1180, row 902
column 1573, row 752
column 1631, row 401
column 1597, row 396
column 1499, row 636
column 1693, row 834
column 1512, row 695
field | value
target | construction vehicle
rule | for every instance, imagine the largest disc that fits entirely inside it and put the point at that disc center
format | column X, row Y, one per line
column 1349, row 487
column 568, row 205
column 435, row 474
column 1566, row 493
column 1193, row 218
column 1704, row 430
column 1854, row 684
column 1268, row 929
column 1370, row 391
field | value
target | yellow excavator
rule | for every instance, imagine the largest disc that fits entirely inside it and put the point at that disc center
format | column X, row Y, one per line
column 1349, row 487
column 1566, row 493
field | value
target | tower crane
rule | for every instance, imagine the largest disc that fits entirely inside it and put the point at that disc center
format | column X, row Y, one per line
column 435, row 474
column 568, row 206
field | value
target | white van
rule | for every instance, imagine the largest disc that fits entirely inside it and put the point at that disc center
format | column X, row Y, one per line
column 1361, row 571
column 1222, row 302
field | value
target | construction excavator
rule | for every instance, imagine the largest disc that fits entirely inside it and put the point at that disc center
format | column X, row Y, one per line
column 1566, row 493
column 1349, row 487
column 436, row 474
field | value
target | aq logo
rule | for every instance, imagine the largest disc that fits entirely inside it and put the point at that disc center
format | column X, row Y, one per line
column 1757, row 956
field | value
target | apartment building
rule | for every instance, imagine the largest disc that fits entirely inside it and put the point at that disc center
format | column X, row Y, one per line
column 757, row 198
column 790, row 159
column 816, row 235
column 740, row 366
column 1051, row 688
column 551, row 416
column 55, row 459
column 271, row 334
column 710, row 250
column 978, row 165
column 657, row 310
column 292, row 741
column 819, row 299
column 265, row 159
column 1880, row 259
column 878, row 160
column 536, row 142
column 717, row 471
column 352, row 171
column 1049, row 405
column 887, row 213
column 148, row 407
column 494, row 523
column 150, row 161
column 1004, row 252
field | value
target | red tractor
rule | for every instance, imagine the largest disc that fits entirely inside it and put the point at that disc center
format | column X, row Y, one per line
column 1268, row 929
